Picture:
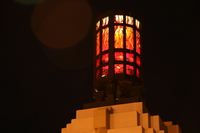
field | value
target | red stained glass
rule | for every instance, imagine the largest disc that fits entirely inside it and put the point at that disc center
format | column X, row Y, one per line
column 119, row 68
column 98, row 43
column 129, row 20
column 105, row 21
column 119, row 36
column 119, row 56
column 98, row 25
column 129, row 57
column 138, row 42
column 104, row 71
column 129, row 38
column 97, row 62
column 105, row 58
column 138, row 61
column 137, row 23
column 119, row 18
column 105, row 38
column 98, row 74
column 137, row 73
column 129, row 70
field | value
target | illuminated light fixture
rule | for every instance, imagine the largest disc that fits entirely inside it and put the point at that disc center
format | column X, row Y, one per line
column 117, row 54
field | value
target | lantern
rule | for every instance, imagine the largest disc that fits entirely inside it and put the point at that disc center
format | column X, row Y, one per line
column 117, row 55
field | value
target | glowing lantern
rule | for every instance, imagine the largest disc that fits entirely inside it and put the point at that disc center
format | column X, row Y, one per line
column 117, row 52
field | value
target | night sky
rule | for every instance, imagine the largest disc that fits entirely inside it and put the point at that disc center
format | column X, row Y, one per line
column 47, row 61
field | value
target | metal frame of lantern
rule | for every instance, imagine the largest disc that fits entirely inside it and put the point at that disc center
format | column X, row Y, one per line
column 117, row 53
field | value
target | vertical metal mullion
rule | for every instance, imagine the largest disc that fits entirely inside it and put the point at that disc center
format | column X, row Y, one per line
column 111, row 45
column 124, row 44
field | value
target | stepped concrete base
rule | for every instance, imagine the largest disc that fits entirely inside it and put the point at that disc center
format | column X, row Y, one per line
column 122, row 118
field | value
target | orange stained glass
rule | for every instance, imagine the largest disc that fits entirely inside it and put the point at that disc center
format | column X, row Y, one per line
column 118, row 36
column 138, row 61
column 137, row 23
column 104, row 71
column 138, row 42
column 129, row 20
column 105, row 58
column 98, row 43
column 98, row 74
column 98, row 25
column 119, row 68
column 105, row 39
column 119, row 56
column 105, row 21
column 129, row 57
column 97, row 62
column 119, row 18
column 129, row 70
column 137, row 73
column 129, row 38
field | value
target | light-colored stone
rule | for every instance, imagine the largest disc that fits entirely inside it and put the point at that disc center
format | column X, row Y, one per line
column 174, row 129
column 126, row 119
column 82, row 125
column 168, row 123
column 64, row 130
column 101, row 118
column 145, row 120
column 69, row 128
column 101, row 130
column 157, row 123
column 161, row 131
column 137, row 129
column 150, row 130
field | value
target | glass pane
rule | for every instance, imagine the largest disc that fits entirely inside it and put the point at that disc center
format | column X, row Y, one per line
column 138, row 61
column 137, row 73
column 119, row 36
column 137, row 23
column 138, row 42
column 104, row 71
column 105, row 21
column 119, row 56
column 105, row 37
column 97, row 62
column 97, row 25
column 129, row 38
column 119, row 18
column 129, row 20
column 98, row 74
column 129, row 57
column 105, row 58
column 129, row 70
column 98, row 43
column 119, row 68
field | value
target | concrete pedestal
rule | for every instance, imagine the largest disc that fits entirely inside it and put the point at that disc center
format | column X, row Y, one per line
column 122, row 118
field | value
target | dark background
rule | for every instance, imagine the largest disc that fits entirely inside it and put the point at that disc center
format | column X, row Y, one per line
column 42, row 87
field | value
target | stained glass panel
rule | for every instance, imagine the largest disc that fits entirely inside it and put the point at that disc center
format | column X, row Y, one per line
column 129, row 20
column 98, row 25
column 97, row 62
column 138, row 61
column 137, row 73
column 138, row 42
column 119, row 56
column 104, row 71
column 129, row 70
column 105, row 21
column 105, row 38
column 119, row 18
column 98, row 43
column 129, row 38
column 137, row 23
column 129, row 57
column 105, row 58
column 119, row 36
column 119, row 68
column 98, row 74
